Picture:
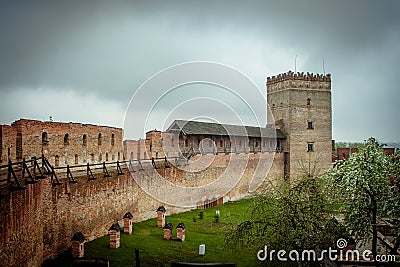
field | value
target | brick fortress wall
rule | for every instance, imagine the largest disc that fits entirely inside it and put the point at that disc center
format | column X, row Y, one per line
column 38, row 222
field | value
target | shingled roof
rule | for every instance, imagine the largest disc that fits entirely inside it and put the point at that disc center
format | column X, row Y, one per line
column 208, row 128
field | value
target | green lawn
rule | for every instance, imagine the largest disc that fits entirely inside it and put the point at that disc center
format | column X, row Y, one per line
column 154, row 251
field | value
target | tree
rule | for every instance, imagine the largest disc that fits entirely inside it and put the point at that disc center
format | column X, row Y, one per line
column 363, row 184
column 394, row 208
column 293, row 216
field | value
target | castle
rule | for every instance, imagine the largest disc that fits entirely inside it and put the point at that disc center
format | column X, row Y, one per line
column 301, row 107
column 39, row 215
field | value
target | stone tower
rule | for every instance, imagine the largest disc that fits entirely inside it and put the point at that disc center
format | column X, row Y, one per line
column 301, row 106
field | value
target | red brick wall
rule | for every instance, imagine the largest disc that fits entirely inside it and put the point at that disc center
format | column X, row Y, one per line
column 344, row 152
column 62, row 143
column 7, row 143
column 21, row 231
column 39, row 222
column 135, row 149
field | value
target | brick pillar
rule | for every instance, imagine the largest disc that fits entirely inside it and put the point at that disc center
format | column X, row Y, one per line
column 77, row 243
column 161, row 216
column 128, row 223
column 168, row 231
column 180, row 231
column 114, row 233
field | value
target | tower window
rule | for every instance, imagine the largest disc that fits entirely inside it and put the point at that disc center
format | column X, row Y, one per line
column 308, row 101
column 221, row 143
column 310, row 125
column 84, row 140
column 66, row 139
column 99, row 139
column 45, row 140
column 112, row 139
column 57, row 161
column 76, row 159
column 310, row 147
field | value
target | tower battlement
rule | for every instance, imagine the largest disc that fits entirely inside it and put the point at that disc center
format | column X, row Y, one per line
column 299, row 80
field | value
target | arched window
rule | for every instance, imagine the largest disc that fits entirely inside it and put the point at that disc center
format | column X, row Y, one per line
column 99, row 139
column 106, row 156
column 308, row 101
column 221, row 143
column 100, row 158
column 9, row 153
column 119, row 155
column 84, row 140
column 131, row 155
column 112, row 139
column 45, row 140
column 76, row 159
column 66, row 139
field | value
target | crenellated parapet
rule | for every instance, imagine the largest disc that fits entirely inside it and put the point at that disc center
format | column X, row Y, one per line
column 299, row 80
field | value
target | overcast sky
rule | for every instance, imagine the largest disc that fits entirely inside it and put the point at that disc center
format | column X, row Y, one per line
column 82, row 61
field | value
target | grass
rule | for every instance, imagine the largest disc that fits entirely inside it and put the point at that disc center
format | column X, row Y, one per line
column 154, row 251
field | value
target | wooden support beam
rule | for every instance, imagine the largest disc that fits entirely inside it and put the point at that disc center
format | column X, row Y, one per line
column 130, row 166
column 54, row 177
column 153, row 163
column 89, row 173
column 140, row 166
column 25, row 168
column 36, row 166
column 71, row 179
column 105, row 171
column 119, row 169
column 166, row 163
column 46, row 166
column 11, row 173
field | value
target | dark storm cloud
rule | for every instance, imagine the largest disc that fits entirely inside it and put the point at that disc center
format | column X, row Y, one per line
column 106, row 49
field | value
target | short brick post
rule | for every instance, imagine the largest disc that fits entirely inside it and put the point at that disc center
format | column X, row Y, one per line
column 161, row 216
column 180, row 231
column 114, row 233
column 128, row 223
column 168, row 231
column 78, row 247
